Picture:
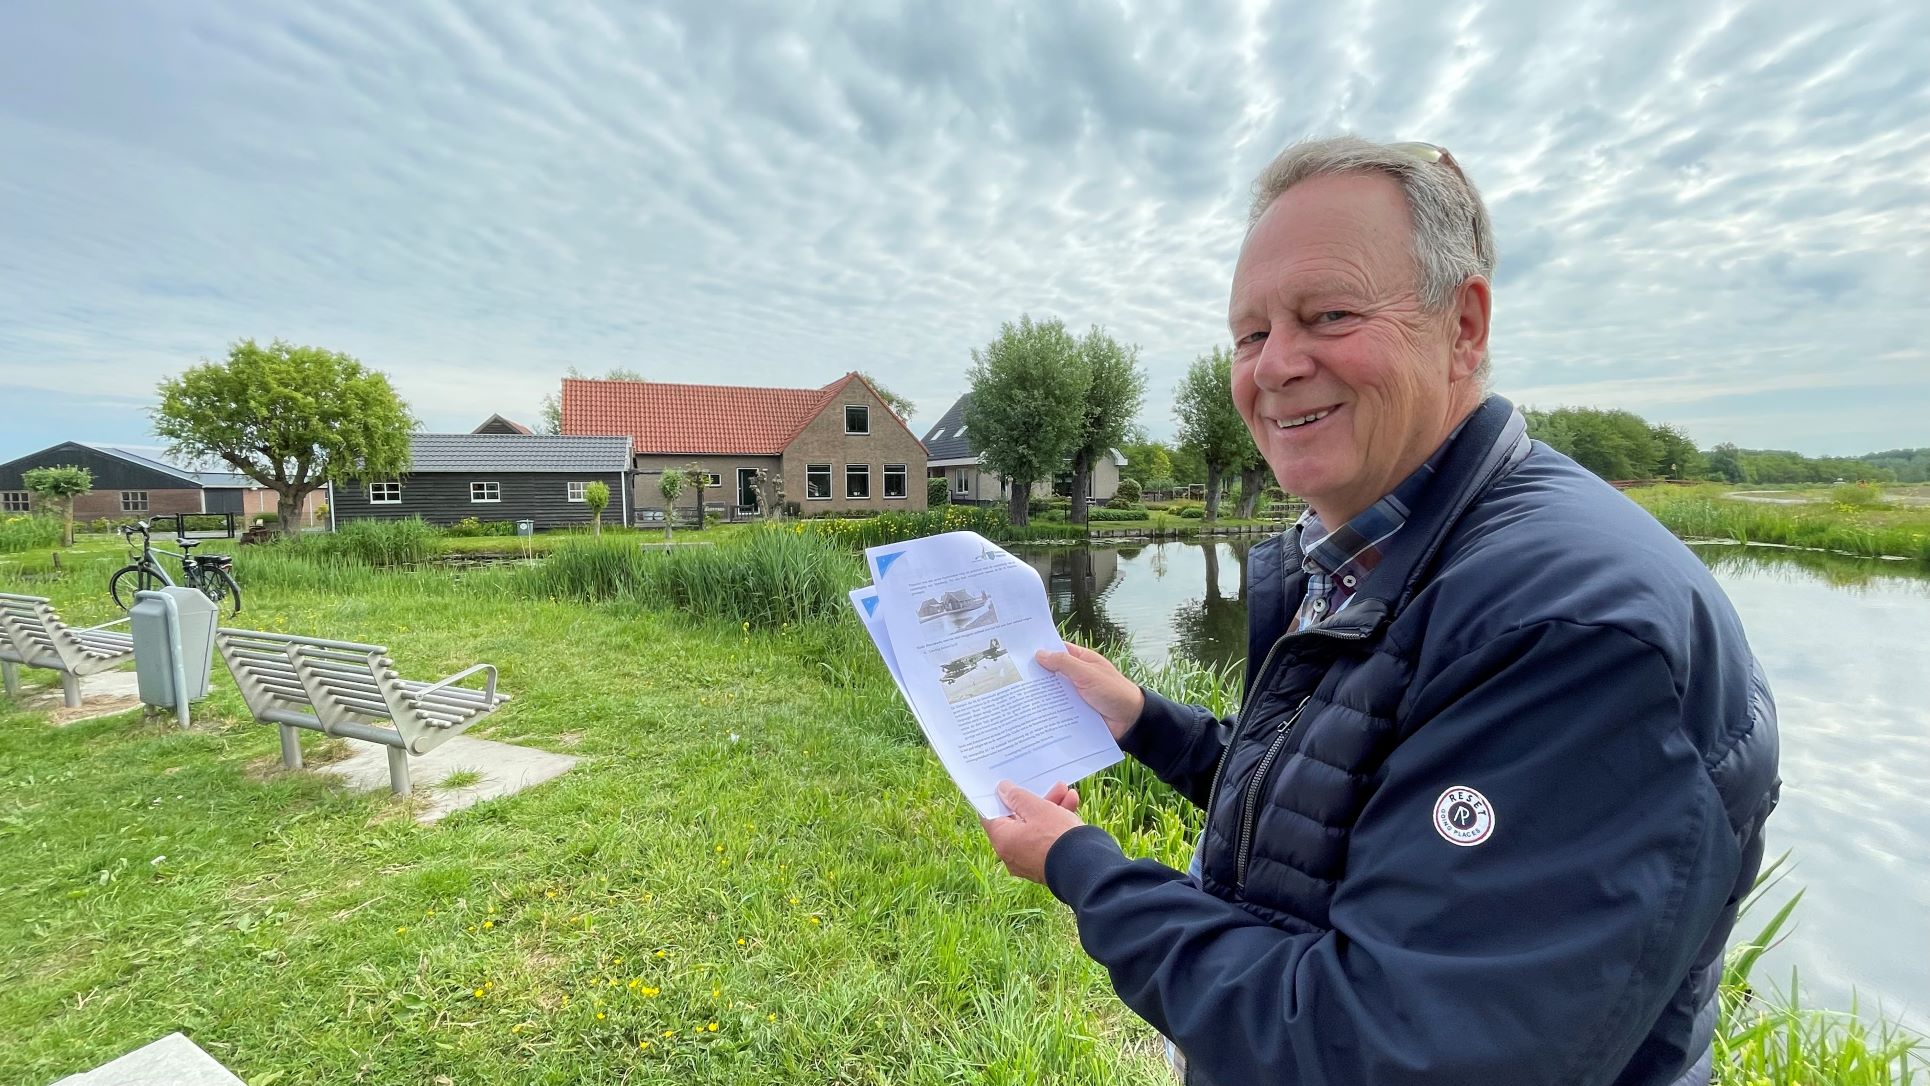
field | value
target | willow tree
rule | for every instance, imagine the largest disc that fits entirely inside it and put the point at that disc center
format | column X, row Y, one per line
column 60, row 485
column 1024, row 411
column 1115, row 387
column 292, row 418
column 1209, row 424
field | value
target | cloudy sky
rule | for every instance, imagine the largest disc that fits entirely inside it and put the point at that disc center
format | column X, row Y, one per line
column 1714, row 214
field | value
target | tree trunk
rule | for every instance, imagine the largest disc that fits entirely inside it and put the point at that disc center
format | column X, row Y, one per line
column 288, row 511
column 1212, row 493
column 1020, row 502
column 700, row 506
column 1252, row 481
column 1211, row 552
column 596, row 524
column 67, row 520
column 669, row 520
column 1081, row 477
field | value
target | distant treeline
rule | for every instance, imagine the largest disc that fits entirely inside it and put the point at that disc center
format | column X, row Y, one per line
column 1623, row 445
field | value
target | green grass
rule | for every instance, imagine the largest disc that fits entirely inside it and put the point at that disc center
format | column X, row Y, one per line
column 22, row 533
column 756, row 837
column 1870, row 530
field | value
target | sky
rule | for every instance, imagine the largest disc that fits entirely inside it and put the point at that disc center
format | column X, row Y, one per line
column 1716, row 215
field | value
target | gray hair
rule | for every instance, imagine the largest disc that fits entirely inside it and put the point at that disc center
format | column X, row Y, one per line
column 1453, row 235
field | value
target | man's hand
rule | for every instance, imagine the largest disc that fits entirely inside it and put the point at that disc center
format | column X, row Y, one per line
column 1117, row 699
column 1023, row 837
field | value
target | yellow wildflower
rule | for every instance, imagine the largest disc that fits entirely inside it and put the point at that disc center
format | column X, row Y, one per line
column 712, row 1027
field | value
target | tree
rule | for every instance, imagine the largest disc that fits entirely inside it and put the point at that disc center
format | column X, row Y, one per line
column 291, row 418
column 670, row 486
column 1209, row 425
column 1724, row 465
column 1025, row 411
column 1115, row 387
column 1676, row 456
column 700, row 481
column 549, row 417
column 61, row 484
column 597, row 497
column 938, row 491
column 900, row 406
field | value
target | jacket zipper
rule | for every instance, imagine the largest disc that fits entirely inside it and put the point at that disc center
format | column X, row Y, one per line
column 1249, row 809
column 1239, row 722
column 1239, row 725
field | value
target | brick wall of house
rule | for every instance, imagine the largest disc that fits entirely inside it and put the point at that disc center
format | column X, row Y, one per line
column 97, row 504
column 823, row 441
column 647, row 494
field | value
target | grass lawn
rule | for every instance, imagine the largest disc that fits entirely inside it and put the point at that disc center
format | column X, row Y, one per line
column 756, row 875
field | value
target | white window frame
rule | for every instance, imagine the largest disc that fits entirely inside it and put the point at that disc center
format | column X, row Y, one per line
column 903, row 472
column 960, row 432
column 962, row 481
column 817, row 469
column 134, row 501
column 864, row 407
column 16, row 501
column 713, row 478
column 491, row 486
column 574, row 491
column 857, row 471
column 392, row 489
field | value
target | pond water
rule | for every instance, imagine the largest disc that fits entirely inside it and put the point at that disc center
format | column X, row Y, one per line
column 1846, row 644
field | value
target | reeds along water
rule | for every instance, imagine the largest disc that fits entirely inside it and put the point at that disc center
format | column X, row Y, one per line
column 765, row 578
column 1825, row 527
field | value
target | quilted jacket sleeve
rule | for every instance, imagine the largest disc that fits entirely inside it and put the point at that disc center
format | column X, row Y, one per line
column 1542, row 954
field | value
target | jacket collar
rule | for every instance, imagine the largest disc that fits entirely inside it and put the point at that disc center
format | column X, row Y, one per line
column 1494, row 437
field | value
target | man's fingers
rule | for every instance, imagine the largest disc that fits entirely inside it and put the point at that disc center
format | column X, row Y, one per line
column 1022, row 802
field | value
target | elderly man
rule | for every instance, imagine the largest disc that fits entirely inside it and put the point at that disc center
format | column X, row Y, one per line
column 1501, row 773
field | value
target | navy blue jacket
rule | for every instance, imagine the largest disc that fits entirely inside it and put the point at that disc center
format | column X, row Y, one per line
column 1537, row 642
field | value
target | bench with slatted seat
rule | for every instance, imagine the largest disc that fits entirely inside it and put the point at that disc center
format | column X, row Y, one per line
column 350, row 690
column 31, row 634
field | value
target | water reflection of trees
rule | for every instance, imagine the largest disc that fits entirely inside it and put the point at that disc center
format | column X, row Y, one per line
column 1212, row 632
column 1076, row 581
column 1836, row 570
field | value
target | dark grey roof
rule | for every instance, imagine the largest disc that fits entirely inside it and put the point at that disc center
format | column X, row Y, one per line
column 943, row 441
column 517, row 452
column 198, row 478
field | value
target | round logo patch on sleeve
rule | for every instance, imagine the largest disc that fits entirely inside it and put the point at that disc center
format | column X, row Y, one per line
column 1463, row 817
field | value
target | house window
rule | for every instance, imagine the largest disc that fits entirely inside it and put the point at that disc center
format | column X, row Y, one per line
column 575, row 491
column 485, row 492
column 857, row 418
column 713, row 478
column 938, row 434
column 897, row 480
column 817, row 481
column 960, row 433
column 857, row 480
column 16, row 501
column 961, row 480
column 133, row 501
column 385, row 493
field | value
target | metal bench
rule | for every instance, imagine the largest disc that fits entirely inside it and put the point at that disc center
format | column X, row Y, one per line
column 353, row 691
column 31, row 634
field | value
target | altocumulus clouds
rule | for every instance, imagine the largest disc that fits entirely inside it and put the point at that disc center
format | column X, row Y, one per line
column 1712, row 214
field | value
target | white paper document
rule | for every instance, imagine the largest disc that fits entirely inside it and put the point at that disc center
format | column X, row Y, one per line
column 957, row 621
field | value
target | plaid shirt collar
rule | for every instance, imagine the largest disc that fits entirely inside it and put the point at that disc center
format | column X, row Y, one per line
column 1336, row 561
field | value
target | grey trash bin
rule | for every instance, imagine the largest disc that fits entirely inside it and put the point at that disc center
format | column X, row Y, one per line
column 173, row 631
column 525, row 527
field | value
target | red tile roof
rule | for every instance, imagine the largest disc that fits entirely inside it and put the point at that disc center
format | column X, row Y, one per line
column 660, row 417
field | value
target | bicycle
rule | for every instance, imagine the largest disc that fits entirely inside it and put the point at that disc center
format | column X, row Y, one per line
column 211, row 574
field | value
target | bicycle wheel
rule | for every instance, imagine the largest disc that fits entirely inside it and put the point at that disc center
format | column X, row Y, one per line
column 128, row 580
column 219, row 585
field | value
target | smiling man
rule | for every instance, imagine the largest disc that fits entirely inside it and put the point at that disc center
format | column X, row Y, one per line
column 1500, row 777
